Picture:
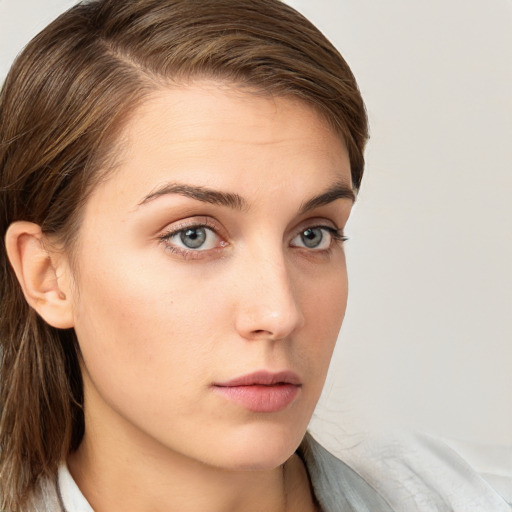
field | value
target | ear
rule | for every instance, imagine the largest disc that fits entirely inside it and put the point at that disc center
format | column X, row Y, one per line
column 44, row 277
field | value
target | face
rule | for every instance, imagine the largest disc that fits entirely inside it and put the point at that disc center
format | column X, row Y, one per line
column 210, row 281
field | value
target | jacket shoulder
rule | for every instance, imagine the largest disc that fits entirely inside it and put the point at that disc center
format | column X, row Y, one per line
column 419, row 473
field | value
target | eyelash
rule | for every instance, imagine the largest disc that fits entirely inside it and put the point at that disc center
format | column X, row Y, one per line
column 337, row 237
column 336, row 234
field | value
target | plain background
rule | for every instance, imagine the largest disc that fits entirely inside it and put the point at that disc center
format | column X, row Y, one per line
column 427, row 339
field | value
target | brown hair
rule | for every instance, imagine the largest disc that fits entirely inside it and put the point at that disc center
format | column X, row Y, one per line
column 61, row 108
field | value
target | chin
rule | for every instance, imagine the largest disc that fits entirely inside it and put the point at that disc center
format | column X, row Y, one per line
column 259, row 448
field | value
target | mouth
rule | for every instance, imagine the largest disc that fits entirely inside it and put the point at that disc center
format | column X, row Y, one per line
column 262, row 391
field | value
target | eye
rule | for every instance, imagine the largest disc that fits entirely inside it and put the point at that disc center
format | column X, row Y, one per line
column 317, row 238
column 192, row 238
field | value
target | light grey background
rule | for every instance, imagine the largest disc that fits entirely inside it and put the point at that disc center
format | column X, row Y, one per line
column 427, row 341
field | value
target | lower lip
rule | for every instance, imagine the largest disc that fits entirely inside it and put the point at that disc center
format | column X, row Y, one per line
column 259, row 398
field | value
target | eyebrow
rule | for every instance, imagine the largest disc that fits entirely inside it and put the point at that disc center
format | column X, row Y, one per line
column 203, row 194
column 232, row 200
column 337, row 191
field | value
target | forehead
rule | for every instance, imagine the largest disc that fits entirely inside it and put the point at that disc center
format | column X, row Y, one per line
column 214, row 134
column 204, row 107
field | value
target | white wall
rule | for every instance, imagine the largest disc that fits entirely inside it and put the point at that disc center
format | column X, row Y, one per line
column 428, row 336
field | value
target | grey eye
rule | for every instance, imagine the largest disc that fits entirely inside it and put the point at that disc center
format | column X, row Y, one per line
column 312, row 237
column 317, row 238
column 193, row 238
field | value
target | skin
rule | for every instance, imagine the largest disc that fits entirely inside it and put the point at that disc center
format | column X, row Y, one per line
column 158, row 323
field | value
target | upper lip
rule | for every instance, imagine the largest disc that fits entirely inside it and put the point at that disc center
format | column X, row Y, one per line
column 263, row 378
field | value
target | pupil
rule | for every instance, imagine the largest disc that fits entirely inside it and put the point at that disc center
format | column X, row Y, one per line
column 312, row 237
column 193, row 237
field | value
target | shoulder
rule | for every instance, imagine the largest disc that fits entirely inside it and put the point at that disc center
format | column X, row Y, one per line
column 407, row 472
column 336, row 486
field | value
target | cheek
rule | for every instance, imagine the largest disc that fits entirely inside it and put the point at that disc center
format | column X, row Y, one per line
column 324, row 303
column 141, row 330
column 325, row 295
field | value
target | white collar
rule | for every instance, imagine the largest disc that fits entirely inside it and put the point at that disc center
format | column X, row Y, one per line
column 72, row 498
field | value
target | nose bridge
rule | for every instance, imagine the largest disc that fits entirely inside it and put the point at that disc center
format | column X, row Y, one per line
column 269, row 305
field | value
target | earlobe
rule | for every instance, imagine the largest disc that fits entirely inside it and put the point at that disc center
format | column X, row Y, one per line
column 40, row 275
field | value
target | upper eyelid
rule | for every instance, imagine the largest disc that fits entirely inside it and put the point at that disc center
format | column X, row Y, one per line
column 176, row 227
column 317, row 222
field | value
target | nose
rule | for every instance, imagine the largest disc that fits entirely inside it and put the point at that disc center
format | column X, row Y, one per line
column 268, row 305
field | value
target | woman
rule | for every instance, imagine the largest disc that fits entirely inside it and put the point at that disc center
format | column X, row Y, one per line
column 176, row 176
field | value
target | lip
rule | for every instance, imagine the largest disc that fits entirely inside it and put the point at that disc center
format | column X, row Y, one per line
column 261, row 391
column 263, row 378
